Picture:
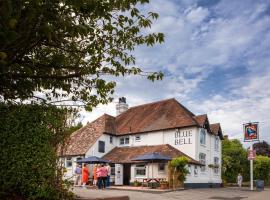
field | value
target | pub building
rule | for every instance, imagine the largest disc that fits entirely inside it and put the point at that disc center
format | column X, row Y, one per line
column 165, row 127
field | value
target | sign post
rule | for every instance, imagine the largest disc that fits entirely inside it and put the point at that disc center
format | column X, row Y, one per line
column 251, row 133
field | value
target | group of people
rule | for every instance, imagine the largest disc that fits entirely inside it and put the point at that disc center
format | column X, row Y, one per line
column 101, row 175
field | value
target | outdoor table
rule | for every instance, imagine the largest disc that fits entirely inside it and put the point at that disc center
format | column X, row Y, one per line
column 147, row 180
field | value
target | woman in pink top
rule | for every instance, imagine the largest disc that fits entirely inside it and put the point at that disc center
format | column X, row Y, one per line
column 99, row 180
column 103, row 174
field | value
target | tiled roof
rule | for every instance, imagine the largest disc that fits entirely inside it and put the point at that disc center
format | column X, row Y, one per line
column 201, row 119
column 126, row 154
column 216, row 130
column 159, row 115
column 81, row 140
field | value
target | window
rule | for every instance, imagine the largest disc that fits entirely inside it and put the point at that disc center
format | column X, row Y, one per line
column 195, row 170
column 138, row 138
column 189, row 169
column 140, row 170
column 202, row 158
column 101, row 146
column 216, row 143
column 68, row 162
column 112, row 169
column 111, row 139
column 216, row 162
column 124, row 141
column 161, row 167
column 202, row 136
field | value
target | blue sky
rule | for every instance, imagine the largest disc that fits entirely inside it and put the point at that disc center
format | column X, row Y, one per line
column 216, row 60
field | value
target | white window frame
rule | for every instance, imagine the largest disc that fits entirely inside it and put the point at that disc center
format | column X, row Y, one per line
column 124, row 139
column 68, row 161
column 111, row 139
column 137, row 138
column 140, row 167
column 195, row 170
column 202, row 133
column 216, row 162
column 189, row 168
column 202, row 159
column 163, row 170
column 216, row 143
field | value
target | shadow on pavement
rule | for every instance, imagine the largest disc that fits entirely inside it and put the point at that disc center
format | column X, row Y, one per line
column 228, row 198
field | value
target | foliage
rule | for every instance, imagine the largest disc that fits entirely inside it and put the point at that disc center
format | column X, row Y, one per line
column 179, row 165
column 234, row 160
column 262, row 148
column 262, row 168
column 30, row 135
column 66, row 48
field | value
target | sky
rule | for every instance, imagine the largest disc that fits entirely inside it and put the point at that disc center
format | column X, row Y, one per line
column 216, row 60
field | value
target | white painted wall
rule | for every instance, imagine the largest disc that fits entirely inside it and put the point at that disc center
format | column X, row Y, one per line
column 93, row 151
column 186, row 140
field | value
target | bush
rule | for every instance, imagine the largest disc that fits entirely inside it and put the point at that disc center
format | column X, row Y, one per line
column 262, row 168
column 30, row 135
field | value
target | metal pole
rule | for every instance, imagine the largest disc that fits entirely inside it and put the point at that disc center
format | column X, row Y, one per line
column 251, row 168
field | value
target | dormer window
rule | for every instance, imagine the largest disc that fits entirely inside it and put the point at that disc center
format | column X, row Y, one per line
column 202, row 136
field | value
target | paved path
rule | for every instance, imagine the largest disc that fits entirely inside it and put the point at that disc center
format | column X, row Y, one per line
column 191, row 194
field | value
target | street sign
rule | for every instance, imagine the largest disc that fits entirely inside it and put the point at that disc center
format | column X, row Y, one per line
column 251, row 132
column 251, row 154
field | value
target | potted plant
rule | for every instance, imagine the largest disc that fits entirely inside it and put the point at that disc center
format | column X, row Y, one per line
column 136, row 183
column 164, row 184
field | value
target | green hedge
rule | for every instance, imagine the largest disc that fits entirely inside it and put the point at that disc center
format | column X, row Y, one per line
column 30, row 135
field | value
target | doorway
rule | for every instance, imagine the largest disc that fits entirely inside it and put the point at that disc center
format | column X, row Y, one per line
column 126, row 172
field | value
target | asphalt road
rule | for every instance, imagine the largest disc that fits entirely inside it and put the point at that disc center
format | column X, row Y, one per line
column 191, row 194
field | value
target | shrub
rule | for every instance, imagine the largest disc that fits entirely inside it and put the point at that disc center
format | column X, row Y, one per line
column 30, row 135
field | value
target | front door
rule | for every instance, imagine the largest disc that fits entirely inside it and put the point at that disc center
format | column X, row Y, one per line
column 126, row 173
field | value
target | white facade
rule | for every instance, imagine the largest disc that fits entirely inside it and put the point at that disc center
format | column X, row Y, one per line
column 187, row 140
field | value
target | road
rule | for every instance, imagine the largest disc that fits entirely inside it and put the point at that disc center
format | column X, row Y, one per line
column 191, row 194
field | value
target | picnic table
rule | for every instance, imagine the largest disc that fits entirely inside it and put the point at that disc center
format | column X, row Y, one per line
column 148, row 180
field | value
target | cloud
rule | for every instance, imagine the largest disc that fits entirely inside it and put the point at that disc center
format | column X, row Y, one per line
column 206, row 39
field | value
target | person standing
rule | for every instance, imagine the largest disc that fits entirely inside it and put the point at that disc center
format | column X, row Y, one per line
column 85, row 175
column 99, row 179
column 108, row 167
column 239, row 180
column 78, row 176
column 95, row 176
column 103, row 174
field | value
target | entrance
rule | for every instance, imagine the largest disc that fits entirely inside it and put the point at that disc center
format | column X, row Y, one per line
column 126, row 172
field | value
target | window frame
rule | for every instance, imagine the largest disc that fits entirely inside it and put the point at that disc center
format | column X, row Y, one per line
column 202, row 133
column 111, row 139
column 216, row 143
column 161, row 171
column 195, row 170
column 99, row 146
column 202, row 161
column 68, row 162
column 137, row 138
column 124, row 141
column 216, row 162
column 140, row 167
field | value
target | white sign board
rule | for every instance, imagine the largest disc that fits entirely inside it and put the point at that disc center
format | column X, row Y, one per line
column 118, row 174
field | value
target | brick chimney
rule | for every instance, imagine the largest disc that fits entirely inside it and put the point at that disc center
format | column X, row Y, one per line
column 121, row 106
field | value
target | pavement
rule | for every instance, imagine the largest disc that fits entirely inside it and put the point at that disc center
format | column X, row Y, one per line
column 189, row 194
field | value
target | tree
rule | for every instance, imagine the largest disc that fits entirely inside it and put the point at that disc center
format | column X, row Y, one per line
column 234, row 160
column 66, row 48
column 262, row 148
column 179, row 167
column 262, row 168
